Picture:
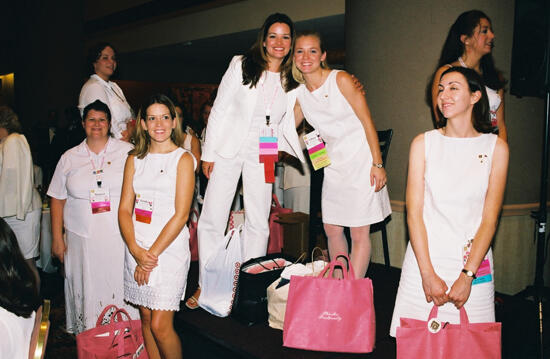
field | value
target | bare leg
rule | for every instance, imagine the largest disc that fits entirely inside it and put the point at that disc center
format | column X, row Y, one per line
column 32, row 266
column 337, row 244
column 360, row 250
column 150, row 343
column 166, row 337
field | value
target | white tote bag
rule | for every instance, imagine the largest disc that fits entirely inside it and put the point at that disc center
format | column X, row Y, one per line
column 220, row 275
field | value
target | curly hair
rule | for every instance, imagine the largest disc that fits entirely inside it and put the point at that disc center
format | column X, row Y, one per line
column 9, row 120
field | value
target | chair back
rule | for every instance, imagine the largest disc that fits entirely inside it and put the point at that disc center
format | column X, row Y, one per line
column 39, row 337
column 384, row 138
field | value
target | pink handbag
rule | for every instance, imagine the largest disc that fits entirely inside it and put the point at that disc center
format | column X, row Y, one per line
column 328, row 314
column 434, row 340
column 116, row 339
column 193, row 241
column 276, row 236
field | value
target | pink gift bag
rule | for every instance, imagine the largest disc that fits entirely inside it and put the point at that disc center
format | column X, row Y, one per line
column 432, row 339
column 327, row 314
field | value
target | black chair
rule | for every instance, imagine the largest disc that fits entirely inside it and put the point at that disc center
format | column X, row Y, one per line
column 384, row 138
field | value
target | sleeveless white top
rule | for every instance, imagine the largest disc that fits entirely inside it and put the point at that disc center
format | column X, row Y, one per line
column 456, row 179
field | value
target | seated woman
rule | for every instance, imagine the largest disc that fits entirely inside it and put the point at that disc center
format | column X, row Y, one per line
column 455, row 188
column 19, row 297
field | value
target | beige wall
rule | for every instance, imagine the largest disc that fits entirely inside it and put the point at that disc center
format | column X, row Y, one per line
column 393, row 47
column 236, row 17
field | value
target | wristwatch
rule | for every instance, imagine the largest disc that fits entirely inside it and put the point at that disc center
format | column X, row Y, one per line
column 469, row 273
column 378, row 165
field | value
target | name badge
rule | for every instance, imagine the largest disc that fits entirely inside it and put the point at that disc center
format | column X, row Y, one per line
column 483, row 274
column 317, row 150
column 269, row 146
column 100, row 200
column 143, row 209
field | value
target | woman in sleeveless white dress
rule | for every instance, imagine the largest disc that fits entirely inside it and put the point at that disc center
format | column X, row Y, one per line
column 354, row 193
column 455, row 188
column 156, row 198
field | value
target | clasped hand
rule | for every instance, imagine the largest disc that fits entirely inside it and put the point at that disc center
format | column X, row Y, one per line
column 146, row 262
column 435, row 290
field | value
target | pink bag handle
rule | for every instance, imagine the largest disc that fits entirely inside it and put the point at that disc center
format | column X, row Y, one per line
column 335, row 263
column 196, row 213
column 118, row 338
column 104, row 312
column 463, row 315
column 276, row 200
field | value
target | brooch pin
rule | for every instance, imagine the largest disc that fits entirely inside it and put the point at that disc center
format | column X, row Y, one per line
column 482, row 158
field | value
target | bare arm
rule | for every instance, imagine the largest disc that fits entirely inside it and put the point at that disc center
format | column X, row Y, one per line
column 196, row 149
column 502, row 131
column 460, row 291
column 56, row 212
column 359, row 105
column 434, row 287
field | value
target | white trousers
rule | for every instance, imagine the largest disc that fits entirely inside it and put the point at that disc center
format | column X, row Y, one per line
column 217, row 203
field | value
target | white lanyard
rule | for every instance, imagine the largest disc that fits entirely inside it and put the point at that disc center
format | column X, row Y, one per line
column 98, row 173
column 268, row 108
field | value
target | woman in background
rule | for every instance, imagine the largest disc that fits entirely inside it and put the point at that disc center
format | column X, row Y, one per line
column 469, row 44
column 103, row 64
column 20, row 204
column 354, row 186
column 455, row 187
column 85, row 194
column 19, row 297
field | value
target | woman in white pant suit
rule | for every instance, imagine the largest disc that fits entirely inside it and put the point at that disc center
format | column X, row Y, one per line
column 255, row 93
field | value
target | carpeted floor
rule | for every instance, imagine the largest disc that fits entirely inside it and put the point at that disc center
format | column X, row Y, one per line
column 206, row 336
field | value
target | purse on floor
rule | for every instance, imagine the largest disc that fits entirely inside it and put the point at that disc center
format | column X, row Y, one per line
column 119, row 337
column 433, row 339
column 255, row 275
column 328, row 314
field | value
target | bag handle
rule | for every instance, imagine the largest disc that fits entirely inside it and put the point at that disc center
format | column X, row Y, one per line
column 231, row 234
column 118, row 338
column 276, row 200
column 464, row 320
column 104, row 312
column 336, row 263
column 196, row 213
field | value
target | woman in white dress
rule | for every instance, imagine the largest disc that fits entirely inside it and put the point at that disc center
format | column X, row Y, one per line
column 159, row 179
column 85, row 193
column 20, row 206
column 455, row 188
column 354, row 187
column 19, row 297
column 103, row 64
column 470, row 44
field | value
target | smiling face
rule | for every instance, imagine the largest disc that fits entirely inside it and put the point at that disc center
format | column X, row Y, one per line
column 96, row 124
column 454, row 97
column 481, row 40
column 308, row 54
column 158, row 122
column 105, row 65
column 278, row 41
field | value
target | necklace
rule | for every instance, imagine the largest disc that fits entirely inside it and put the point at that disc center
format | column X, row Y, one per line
column 462, row 63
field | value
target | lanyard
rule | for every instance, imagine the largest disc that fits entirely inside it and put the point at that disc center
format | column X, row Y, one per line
column 98, row 172
column 268, row 108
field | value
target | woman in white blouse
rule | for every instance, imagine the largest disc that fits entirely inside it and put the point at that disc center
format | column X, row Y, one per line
column 85, row 194
column 102, row 59
column 20, row 206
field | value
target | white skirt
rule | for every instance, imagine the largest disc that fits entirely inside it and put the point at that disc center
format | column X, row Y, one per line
column 27, row 232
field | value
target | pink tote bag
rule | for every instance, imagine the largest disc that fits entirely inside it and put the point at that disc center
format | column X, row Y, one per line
column 418, row 339
column 116, row 339
column 276, row 236
column 327, row 314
